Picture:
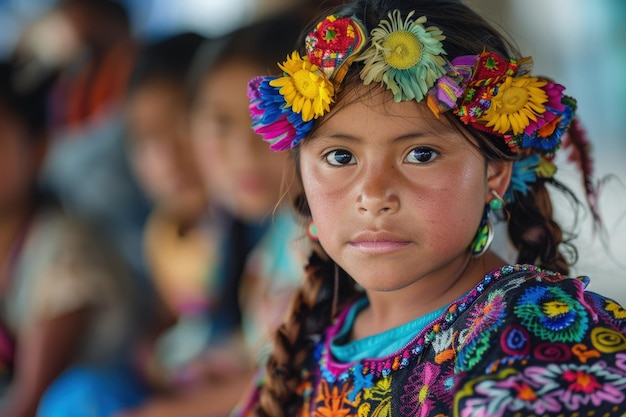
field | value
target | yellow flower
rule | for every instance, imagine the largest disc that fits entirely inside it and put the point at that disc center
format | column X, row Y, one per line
column 517, row 102
column 305, row 88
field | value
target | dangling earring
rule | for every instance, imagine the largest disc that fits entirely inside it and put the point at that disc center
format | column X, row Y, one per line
column 484, row 236
column 311, row 231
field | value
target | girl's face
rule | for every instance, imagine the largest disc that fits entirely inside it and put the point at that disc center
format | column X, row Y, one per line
column 159, row 147
column 395, row 193
column 20, row 158
column 239, row 170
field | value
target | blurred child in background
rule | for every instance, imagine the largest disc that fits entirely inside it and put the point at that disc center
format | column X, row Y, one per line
column 178, row 253
column 244, row 180
column 65, row 298
column 258, row 261
column 91, row 44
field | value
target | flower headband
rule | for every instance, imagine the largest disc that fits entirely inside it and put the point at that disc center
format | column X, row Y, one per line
column 488, row 92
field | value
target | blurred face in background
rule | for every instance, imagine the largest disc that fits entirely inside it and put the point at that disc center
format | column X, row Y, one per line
column 160, row 150
column 237, row 167
column 20, row 159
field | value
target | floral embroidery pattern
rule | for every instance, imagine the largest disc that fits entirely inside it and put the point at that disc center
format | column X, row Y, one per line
column 481, row 359
column 539, row 390
column 380, row 394
column 482, row 319
column 422, row 390
column 333, row 43
column 332, row 402
column 552, row 314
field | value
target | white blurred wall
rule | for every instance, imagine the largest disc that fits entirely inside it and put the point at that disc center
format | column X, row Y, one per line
column 582, row 45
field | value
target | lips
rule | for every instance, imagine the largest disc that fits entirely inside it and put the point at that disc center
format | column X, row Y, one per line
column 378, row 243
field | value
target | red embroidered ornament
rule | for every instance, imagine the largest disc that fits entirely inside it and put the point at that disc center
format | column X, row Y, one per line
column 332, row 43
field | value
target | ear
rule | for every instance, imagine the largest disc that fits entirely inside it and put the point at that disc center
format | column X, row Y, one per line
column 498, row 177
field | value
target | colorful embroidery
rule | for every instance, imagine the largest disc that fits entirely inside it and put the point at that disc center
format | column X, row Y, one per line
column 481, row 321
column 515, row 341
column 608, row 340
column 616, row 310
column 380, row 396
column 332, row 402
column 552, row 352
column 423, row 390
column 539, row 390
column 552, row 314
column 519, row 343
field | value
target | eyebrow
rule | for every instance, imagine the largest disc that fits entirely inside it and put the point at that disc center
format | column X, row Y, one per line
column 350, row 138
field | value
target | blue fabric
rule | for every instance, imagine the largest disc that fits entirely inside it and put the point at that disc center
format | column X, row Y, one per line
column 84, row 391
column 378, row 345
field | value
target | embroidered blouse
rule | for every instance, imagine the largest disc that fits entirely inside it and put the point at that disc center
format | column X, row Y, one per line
column 523, row 342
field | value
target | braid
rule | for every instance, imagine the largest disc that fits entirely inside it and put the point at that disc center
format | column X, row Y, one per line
column 310, row 313
column 534, row 232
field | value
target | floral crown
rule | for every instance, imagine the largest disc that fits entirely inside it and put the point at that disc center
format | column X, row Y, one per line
column 488, row 92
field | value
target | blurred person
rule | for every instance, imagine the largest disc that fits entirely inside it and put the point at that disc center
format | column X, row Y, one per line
column 91, row 44
column 258, row 252
column 96, row 77
column 178, row 252
column 66, row 299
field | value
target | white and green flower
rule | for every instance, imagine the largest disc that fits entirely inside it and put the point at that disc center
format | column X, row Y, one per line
column 405, row 55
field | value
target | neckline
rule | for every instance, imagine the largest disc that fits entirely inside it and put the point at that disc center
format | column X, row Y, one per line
column 343, row 349
column 333, row 370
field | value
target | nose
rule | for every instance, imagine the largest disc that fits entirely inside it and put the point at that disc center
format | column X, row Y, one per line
column 378, row 193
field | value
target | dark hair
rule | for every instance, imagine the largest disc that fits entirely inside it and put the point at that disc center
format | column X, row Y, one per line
column 264, row 43
column 165, row 60
column 26, row 98
column 105, row 10
column 532, row 230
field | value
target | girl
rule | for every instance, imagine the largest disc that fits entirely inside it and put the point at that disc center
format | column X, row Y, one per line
column 411, row 125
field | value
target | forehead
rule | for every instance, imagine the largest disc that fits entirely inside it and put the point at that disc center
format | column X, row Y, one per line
column 368, row 109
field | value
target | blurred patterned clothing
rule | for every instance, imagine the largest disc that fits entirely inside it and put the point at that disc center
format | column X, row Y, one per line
column 61, row 268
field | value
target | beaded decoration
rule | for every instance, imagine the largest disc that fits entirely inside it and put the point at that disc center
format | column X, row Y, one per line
column 332, row 371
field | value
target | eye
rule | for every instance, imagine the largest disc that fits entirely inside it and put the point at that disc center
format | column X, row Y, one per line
column 339, row 157
column 421, row 156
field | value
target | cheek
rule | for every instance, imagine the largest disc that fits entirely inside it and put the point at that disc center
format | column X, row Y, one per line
column 454, row 201
column 327, row 199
